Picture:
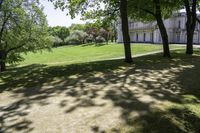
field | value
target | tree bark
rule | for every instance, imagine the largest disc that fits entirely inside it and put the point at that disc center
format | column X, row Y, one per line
column 163, row 31
column 125, row 31
column 3, row 56
column 190, row 24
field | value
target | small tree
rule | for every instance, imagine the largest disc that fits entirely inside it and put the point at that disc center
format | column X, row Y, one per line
column 59, row 31
column 93, row 31
column 105, row 34
column 77, row 37
column 81, row 35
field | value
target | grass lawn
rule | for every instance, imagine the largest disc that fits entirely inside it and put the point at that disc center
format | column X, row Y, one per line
column 85, row 53
column 153, row 95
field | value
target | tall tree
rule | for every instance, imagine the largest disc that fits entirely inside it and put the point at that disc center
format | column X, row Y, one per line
column 111, row 7
column 22, row 29
column 125, row 30
column 191, row 9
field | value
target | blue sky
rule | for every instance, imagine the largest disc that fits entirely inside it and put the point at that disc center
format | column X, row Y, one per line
column 56, row 17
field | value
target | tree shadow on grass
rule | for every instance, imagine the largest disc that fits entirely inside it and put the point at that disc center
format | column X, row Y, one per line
column 134, row 88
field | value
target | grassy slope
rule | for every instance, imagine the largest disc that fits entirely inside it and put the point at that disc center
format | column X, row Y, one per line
column 80, row 54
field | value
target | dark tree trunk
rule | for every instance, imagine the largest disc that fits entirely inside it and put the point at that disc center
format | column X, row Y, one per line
column 162, row 28
column 190, row 24
column 125, row 31
column 112, row 39
column 190, row 35
column 3, row 56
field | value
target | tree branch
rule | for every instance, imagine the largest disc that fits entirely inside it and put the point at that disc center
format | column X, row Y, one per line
column 148, row 11
column 4, row 24
column 14, row 48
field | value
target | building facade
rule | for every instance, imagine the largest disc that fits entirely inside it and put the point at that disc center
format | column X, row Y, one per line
column 149, row 32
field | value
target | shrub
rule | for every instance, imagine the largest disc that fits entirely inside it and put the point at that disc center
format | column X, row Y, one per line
column 76, row 37
column 57, row 41
column 100, row 39
column 72, row 39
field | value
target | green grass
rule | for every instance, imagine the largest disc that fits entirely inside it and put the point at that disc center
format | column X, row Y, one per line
column 85, row 53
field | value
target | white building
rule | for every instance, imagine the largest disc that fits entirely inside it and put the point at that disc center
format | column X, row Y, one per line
column 149, row 32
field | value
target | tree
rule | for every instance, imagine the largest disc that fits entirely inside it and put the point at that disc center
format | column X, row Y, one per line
column 74, row 27
column 150, row 10
column 190, row 6
column 23, row 28
column 93, row 31
column 77, row 36
column 105, row 34
column 60, row 31
column 112, row 7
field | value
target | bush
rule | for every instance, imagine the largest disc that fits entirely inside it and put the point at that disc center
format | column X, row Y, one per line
column 100, row 39
column 76, row 37
column 89, row 39
column 57, row 41
column 72, row 39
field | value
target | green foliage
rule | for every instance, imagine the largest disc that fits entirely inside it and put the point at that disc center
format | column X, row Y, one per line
column 59, row 31
column 76, row 37
column 23, row 29
column 100, row 39
column 74, row 27
column 145, row 10
column 103, row 12
column 56, row 41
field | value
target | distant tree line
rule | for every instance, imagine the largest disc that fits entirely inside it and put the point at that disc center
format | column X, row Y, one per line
column 78, row 34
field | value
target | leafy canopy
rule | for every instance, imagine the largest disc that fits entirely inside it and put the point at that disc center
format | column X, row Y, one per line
column 23, row 28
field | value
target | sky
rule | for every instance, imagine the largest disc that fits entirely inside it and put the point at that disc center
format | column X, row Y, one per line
column 56, row 17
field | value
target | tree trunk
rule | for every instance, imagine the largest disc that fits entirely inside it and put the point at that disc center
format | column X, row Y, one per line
column 3, row 56
column 190, row 35
column 191, row 24
column 162, row 28
column 125, row 31
column 163, row 32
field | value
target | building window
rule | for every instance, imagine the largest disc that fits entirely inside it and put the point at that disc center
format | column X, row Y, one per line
column 144, row 37
column 137, row 37
column 178, row 37
column 152, row 36
column 179, row 24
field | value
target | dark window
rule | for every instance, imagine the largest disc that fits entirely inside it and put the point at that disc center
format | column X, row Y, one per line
column 152, row 35
column 179, row 24
column 144, row 37
column 178, row 37
column 137, row 37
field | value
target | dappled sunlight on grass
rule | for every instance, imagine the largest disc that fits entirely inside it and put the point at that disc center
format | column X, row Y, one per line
column 152, row 95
